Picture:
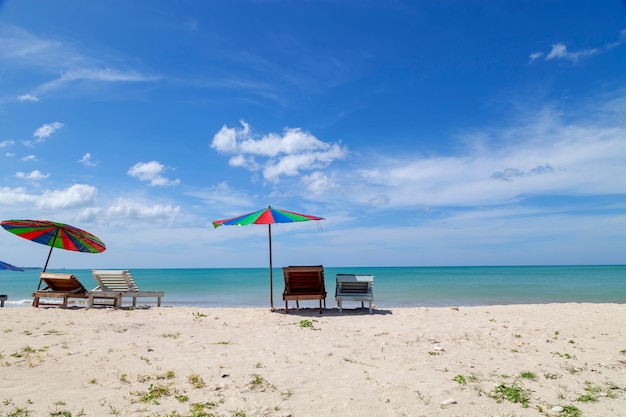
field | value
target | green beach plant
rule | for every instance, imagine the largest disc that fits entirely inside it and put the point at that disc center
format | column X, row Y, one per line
column 196, row 381
column 306, row 324
column 514, row 393
column 154, row 393
column 20, row 412
column 570, row 411
column 528, row 375
column 198, row 315
column 257, row 380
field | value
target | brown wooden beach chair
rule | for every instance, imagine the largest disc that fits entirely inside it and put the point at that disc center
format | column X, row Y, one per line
column 352, row 287
column 64, row 286
column 304, row 283
column 123, row 282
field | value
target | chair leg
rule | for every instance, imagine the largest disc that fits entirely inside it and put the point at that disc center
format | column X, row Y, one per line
column 286, row 306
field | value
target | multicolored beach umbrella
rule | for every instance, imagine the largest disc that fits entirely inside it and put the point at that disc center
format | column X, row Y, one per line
column 4, row 265
column 55, row 235
column 267, row 216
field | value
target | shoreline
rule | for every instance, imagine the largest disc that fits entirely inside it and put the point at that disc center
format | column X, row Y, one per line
column 413, row 361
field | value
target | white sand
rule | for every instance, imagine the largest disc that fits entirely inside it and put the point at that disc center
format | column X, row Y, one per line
column 255, row 362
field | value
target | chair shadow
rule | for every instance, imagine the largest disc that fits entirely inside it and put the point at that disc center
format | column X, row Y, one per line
column 330, row 312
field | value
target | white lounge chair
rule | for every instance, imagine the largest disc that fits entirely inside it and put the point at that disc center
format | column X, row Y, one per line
column 123, row 282
column 352, row 287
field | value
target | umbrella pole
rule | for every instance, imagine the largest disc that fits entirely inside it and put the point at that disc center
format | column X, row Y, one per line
column 49, row 253
column 269, row 231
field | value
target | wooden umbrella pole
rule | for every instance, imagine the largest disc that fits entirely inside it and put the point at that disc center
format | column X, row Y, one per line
column 269, row 230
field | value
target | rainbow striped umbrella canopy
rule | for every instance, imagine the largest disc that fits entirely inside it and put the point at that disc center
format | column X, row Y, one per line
column 55, row 235
column 4, row 265
column 268, row 216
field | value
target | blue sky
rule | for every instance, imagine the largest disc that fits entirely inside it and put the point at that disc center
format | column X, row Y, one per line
column 425, row 132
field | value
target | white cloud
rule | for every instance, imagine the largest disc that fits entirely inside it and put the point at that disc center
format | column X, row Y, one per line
column 76, row 196
column 559, row 51
column 288, row 154
column 28, row 158
column 16, row 196
column 151, row 173
column 86, row 160
column 534, row 56
column 318, row 183
column 50, row 56
column 33, row 175
column 46, row 130
column 28, row 97
column 7, row 143
column 131, row 209
column 541, row 157
column 127, row 213
column 224, row 196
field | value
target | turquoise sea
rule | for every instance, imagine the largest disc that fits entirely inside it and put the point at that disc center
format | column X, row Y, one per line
column 393, row 286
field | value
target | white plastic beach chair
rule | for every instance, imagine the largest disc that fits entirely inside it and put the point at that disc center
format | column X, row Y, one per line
column 122, row 281
column 352, row 287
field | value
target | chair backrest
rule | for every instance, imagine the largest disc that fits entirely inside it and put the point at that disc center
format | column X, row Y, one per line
column 132, row 285
column 62, row 282
column 354, row 284
column 114, row 280
column 304, row 279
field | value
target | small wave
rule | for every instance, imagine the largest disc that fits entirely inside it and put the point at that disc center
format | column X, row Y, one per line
column 18, row 303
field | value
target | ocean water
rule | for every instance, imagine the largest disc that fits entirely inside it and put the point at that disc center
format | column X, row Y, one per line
column 393, row 286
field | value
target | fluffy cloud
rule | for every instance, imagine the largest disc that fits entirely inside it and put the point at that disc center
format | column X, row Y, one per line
column 78, row 195
column 28, row 97
column 46, row 130
column 33, row 175
column 510, row 173
column 16, row 196
column 317, row 183
column 151, row 173
column 131, row 209
column 86, row 160
column 288, row 154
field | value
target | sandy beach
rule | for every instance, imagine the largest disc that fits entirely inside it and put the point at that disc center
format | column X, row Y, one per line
column 517, row 360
